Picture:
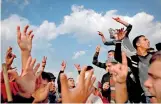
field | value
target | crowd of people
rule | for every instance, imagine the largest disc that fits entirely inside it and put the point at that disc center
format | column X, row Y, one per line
column 133, row 73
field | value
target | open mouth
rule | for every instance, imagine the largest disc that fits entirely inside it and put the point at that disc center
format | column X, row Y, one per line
column 153, row 99
column 152, row 96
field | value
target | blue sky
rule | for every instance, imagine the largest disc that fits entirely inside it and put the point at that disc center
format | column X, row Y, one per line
column 63, row 45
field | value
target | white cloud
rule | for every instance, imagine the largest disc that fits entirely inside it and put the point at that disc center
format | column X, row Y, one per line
column 78, row 54
column 47, row 30
column 84, row 24
column 43, row 33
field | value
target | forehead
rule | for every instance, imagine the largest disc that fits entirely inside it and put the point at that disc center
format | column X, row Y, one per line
column 110, row 52
column 70, row 79
column 106, row 83
column 155, row 69
column 142, row 38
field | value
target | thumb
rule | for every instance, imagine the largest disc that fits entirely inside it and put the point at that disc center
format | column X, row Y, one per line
column 64, row 84
column 13, row 73
column 48, row 87
column 12, row 58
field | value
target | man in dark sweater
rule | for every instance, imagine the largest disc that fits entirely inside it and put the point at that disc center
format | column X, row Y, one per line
column 106, row 66
column 52, row 92
column 138, row 63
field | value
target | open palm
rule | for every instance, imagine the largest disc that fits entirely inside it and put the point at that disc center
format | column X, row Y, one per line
column 24, row 39
column 27, row 81
column 83, row 89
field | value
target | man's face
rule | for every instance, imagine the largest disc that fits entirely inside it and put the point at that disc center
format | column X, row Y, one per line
column 52, row 86
column 143, row 43
column 110, row 54
column 109, row 65
column 71, row 83
column 153, row 82
column 106, row 86
column 44, row 82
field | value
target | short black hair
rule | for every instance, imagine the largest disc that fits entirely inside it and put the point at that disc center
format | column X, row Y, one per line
column 158, row 46
column 52, row 77
column 89, row 68
column 111, row 51
column 46, row 76
column 136, row 40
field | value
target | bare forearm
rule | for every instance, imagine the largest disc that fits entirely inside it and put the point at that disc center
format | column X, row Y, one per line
column 121, row 93
column 24, row 57
column 124, row 23
column 103, row 39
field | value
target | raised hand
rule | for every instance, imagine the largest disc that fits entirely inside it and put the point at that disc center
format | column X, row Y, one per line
column 44, row 62
column 100, row 33
column 116, row 19
column 120, row 71
column 12, row 75
column 120, row 34
column 63, row 66
column 24, row 39
column 9, row 58
column 41, row 93
column 98, row 48
column 27, row 81
column 77, row 66
column 81, row 92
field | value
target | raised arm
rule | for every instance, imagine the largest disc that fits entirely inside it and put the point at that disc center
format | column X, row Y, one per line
column 121, row 21
column 77, row 66
column 119, row 75
column 95, row 59
column 63, row 66
column 118, row 54
column 109, row 43
column 24, row 40
column 129, row 26
column 43, row 63
column 9, row 58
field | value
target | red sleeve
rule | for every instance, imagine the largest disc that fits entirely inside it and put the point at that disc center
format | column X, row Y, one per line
column 13, row 87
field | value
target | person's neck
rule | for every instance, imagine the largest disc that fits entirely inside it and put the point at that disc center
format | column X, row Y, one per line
column 142, row 52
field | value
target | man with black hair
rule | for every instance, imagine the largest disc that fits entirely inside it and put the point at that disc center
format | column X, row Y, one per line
column 71, row 83
column 45, row 78
column 158, row 46
column 106, row 66
column 138, row 63
column 52, row 92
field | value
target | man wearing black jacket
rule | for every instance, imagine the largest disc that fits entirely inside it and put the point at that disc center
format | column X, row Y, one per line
column 139, row 65
column 106, row 66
